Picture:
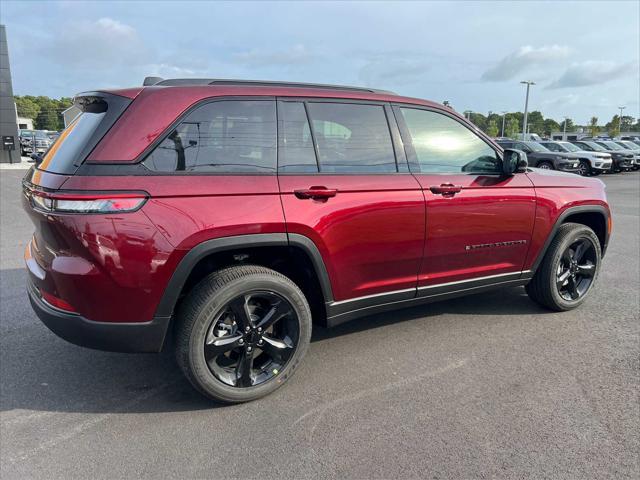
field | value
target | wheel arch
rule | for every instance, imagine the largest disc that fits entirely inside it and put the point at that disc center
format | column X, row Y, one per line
column 274, row 250
column 596, row 217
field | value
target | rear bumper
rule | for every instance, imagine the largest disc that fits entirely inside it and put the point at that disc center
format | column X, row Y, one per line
column 110, row 336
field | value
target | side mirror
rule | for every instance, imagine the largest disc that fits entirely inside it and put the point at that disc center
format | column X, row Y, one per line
column 514, row 161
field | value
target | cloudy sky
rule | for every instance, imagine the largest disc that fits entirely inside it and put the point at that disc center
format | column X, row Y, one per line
column 584, row 56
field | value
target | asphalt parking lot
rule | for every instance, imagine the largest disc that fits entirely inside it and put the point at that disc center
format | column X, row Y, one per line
column 486, row 386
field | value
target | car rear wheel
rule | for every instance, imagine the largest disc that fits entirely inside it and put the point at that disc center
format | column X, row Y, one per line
column 545, row 165
column 569, row 269
column 241, row 333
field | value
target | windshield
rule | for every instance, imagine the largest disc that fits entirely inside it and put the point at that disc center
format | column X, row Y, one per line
column 629, row 145
column 612, row 145
column 536, row 147
column 595, row 146
column 570, row 147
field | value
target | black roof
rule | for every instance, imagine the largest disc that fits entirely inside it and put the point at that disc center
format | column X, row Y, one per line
column 157, row 81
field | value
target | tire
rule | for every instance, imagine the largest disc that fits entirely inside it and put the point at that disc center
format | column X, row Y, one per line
column 545, row 288
column 584, row 169
column 545, row 165
column 213, row 306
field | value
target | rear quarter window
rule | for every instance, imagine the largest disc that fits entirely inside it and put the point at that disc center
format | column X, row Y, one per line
column 98, row 113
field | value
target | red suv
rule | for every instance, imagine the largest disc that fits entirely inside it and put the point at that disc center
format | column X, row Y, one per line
column 219, row 218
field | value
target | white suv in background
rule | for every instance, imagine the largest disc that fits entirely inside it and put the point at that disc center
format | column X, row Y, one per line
column 591, row 163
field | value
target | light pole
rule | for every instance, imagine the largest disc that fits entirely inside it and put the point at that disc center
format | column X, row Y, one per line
column 503, row 115
column 621, row 108
column 526, row 108
column 564, row 128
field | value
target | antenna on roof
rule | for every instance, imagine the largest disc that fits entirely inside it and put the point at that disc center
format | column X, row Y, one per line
column 148, row 81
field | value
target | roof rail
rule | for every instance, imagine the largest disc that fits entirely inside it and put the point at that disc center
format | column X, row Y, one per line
column 254, row 83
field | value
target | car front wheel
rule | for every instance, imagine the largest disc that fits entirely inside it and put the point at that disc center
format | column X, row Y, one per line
column 584, row 168
column 241, row 333
column 569, row 269
column 545, row 165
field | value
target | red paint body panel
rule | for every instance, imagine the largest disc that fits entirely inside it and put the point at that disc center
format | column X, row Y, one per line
column 116, row 267
column 488, row 210
column 555, row 193
column 370, row 235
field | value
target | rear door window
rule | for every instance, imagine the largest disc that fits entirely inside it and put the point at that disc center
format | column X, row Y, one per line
column 296, row 153
column 230, row 136
column 352, row 138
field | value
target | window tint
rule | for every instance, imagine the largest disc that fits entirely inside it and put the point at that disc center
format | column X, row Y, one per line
column 553, row 147
column 352, row 138
column 226, row 137
column 295, row 145
column 443, row 145
column 61, row 156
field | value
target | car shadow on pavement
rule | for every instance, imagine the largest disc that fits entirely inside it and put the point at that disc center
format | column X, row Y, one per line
column 40, row 372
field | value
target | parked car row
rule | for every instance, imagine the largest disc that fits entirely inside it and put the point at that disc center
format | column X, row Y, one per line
column 585, row 157
column 36, row 141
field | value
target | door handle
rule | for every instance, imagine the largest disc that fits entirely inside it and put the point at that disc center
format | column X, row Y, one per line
column 446, row 189
column 316, row 193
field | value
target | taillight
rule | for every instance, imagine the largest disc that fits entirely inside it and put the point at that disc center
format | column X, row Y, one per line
column 57, row 302
column 88, row 202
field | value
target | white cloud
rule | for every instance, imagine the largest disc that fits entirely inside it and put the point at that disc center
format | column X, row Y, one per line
column 523, row 58
column 102, row 42
column 593, row 72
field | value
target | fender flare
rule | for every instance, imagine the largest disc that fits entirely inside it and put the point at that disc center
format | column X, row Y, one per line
column 560, row 220
column 190, row 260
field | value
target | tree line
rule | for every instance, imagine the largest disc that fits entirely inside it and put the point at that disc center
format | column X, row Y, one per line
column 47, row 115
column 492, row 124
column 45, row 112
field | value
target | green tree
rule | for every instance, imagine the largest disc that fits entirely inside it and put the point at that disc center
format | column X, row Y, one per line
column 613, row 127
column 492, row 128
column 626, row 123
column 512, row 126
column 550, row 125
column 593, row 126
column 535, row 122
column 46, row 112
column 27, row 107
column 478, row 120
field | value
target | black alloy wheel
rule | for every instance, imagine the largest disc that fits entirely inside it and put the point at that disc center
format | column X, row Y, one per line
column 251, row 338
column 576, row 269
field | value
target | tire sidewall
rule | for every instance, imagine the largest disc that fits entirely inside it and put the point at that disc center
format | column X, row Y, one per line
column 577, row 234
column 202, row 374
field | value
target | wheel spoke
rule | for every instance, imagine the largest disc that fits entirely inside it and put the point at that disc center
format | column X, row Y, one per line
column 562, row 279
column 240, row 309
column 219, row 345
column 572, row 287
column 567, row 257
column 277, row 311
column 587, row 270
column 276, row 348
column 580, row 250
column 243, row 369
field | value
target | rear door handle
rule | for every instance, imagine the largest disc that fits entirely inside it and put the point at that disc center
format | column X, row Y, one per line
column 446, row 189
column 316, row 193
